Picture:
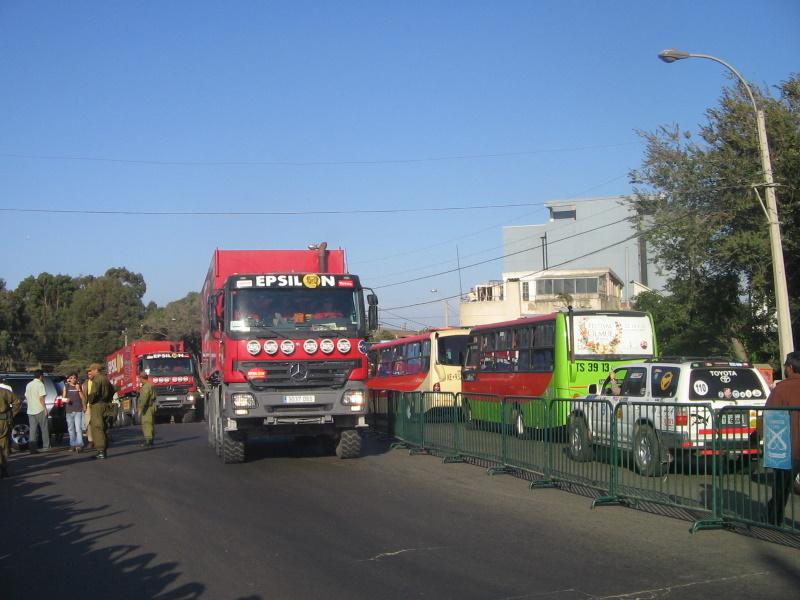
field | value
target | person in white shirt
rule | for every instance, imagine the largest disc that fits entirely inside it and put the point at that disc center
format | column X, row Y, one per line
column 37, row 412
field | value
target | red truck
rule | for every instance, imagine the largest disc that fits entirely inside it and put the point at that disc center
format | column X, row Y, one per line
column 171, row 371
column 284, row 348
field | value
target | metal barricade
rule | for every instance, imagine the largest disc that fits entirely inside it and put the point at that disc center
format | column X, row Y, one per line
column 748, row 491
column 584, row 451
column 527, row 434
column 441, row 422
column 482, row 420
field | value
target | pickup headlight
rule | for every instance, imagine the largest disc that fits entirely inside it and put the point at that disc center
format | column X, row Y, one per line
column 354, row 399
column 243, row 400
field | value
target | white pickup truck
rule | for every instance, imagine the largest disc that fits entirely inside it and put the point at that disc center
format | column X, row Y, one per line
column 658, row 410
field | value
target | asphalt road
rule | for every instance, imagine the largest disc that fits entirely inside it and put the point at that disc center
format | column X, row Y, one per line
column 174, row 523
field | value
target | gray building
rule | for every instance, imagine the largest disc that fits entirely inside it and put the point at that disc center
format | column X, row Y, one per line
column 590, row 233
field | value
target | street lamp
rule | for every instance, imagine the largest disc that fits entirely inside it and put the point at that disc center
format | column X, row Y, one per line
column 785, row 340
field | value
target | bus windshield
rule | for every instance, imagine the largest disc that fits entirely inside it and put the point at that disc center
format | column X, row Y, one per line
column 288, row 310
column 452, row 349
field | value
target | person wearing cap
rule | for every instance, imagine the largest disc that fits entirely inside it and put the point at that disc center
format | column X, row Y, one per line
column 9, row 407
column 100, row 393
column 146, row 408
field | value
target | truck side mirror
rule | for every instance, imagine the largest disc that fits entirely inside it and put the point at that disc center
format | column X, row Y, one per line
column 593, row 388
column 372, row 300
column 372, row 317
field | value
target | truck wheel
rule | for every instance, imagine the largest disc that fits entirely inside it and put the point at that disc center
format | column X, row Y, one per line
column 233, row 448
column 648, row 454
column 349, row 445
column 580, row 448
column 188, row 417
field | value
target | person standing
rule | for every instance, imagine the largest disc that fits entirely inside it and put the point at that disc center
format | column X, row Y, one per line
column 147, row 409
column 786, row 395
column 9, row 407
column 76, row 404
column 98, row 398
column 37, row 412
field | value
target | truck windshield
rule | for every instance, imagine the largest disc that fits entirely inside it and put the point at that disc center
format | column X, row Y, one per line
column 167, row 366
column 287, row 310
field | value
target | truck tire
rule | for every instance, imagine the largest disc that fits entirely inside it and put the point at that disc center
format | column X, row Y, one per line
column 233, row 448
column 188, row 417
column 349, row 445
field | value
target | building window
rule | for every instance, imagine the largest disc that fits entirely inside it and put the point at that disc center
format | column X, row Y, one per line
column 525, row 292
column 571, row 285
column 560, row 213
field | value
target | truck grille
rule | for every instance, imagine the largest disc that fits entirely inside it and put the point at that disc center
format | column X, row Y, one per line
column 304, row 374
column 172, row 390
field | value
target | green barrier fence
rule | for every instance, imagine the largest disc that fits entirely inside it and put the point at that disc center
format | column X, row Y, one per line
column 705, row 461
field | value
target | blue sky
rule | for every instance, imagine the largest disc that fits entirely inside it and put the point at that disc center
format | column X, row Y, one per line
column 255, row 106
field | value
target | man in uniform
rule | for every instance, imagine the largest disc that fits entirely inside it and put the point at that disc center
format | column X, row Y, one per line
column 100, row 393
column 147, row 408
column 9, row 407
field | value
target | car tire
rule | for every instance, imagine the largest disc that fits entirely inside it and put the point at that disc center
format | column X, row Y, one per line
column 20, row 436
column 580, row 446
column 349, row 445
column 649, row 456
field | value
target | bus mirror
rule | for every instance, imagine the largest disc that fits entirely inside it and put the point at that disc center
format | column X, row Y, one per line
column 372, row 317
column 593, row 388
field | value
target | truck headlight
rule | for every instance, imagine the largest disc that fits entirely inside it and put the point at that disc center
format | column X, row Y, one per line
column 243, row 400
column 354, row 399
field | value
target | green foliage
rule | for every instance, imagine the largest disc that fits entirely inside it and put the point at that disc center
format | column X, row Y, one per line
column 63, row 323
column 696, row 204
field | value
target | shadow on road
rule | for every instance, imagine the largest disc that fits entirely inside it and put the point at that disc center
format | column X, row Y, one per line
column 54, row 547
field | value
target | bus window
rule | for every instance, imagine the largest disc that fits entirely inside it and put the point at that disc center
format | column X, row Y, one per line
column 452, row 350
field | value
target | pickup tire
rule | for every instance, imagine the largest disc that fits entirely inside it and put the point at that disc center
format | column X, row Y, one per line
column 649, row 456
column 349, row 445
column 580, row 446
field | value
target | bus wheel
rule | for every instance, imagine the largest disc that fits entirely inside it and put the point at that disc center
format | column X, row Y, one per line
column 466, row 415
column 349, row 445
column 580, row 448
column 519, row 424
column 648, row 454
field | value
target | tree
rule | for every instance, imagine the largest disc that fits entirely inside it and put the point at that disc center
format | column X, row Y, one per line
column 102, row 309
column 694, row 202
column 178, row 320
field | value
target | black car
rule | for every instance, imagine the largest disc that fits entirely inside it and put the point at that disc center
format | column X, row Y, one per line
column 54, row 389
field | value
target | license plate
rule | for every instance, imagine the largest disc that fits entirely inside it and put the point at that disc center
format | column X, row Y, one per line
column 306, row 399
column 171, row 398
column 732, row 419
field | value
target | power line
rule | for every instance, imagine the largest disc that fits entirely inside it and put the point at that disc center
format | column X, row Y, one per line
column 378, row 287
column 311, row 163
column 265, row 213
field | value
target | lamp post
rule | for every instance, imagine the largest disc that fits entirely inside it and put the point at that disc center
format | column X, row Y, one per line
column 785, row 340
